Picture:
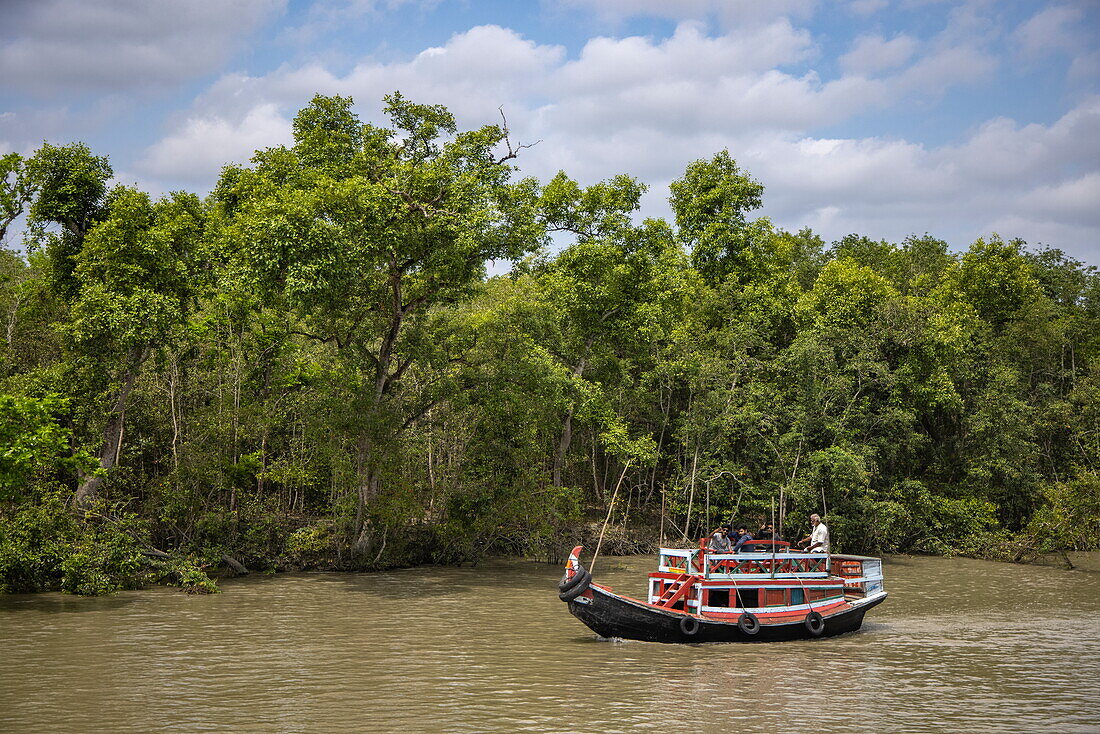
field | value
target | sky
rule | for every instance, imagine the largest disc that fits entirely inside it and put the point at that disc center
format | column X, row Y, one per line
column 886, row 118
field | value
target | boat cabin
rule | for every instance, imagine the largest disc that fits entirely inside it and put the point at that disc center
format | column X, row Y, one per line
column 769, row 580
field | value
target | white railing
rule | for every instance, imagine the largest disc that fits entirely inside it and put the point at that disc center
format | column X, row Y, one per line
column 778, row 565
column 674, row 560
column 860, row 573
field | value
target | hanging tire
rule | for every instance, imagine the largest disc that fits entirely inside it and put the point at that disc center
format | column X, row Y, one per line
column 689, row 625
column 580, row 577
column 815, row 624
column 748, row 623
column 577, row 589
column 567, row 582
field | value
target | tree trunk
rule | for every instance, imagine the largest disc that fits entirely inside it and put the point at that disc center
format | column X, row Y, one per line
column 89, row 488
column 238, row 567
column 691, row 494
column 563, row 446
column 567, row 426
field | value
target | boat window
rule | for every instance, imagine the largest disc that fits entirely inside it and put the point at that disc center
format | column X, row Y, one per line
column 748, row 598
column 798, row 596
column 718, row 598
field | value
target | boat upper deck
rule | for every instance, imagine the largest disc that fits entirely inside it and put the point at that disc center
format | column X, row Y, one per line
column 779, row 564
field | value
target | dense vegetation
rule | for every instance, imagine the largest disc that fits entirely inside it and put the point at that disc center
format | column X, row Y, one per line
column 309, row 367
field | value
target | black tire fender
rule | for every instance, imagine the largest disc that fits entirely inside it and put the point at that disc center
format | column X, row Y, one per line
column 582, row 576
column 815, row 624
column 748, row 623
column 689, row 625
column 568, row 581
column 578, row 588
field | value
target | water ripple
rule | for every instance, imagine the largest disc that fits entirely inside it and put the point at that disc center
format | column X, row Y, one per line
column 960, row 645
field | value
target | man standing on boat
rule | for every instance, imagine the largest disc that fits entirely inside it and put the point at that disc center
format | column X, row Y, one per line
column 818, row 537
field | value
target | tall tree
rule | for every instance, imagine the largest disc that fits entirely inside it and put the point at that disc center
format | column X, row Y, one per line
column 120, row 263
column 360, row 231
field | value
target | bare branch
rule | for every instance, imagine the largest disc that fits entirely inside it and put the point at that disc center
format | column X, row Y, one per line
column 321, row 339
column 512, row 152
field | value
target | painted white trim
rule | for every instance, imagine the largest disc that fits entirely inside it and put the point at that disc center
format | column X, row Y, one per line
column 867, row 599
column 773, row 610
column 739, row 587
column 806, row 575
column 764, row 555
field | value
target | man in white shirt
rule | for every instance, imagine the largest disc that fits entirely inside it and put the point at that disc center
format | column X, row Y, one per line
column 818, row 537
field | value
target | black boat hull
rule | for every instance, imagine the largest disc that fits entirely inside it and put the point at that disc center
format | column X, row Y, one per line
column 610, row 615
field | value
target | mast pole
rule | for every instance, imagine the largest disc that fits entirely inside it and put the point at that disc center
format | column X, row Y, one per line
column 773, row 536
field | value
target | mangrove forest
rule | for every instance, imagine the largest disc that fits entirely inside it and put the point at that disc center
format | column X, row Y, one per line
column 381, row 346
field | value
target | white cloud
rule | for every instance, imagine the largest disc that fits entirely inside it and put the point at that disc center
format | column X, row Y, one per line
column 25, row 129
column 872, row 54
column 197, row 151
column 1001, row 150
column 110, row 45
column 1076, row 201
column 648, row 106
column 1020, row 181
column 1065, row 29
column 947, row 67
column 729, row 12
column 688, row 54
column 1085, row 67
column 1051, row 29
column 325, row 16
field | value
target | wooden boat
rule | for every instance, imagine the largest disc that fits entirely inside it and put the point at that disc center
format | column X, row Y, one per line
column 697, row 595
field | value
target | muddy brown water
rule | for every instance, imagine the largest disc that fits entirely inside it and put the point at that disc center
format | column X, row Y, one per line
column 960, row 646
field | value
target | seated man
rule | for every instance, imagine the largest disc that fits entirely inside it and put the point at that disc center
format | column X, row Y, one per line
column 818, row 538
column 767, row 532
column 720, row 540
column 743, row 537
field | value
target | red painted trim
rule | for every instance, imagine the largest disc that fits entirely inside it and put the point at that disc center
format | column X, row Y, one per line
column 825, row 609
column 742, row 583
column 781, row 616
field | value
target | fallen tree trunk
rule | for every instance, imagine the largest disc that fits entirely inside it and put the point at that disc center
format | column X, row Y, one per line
column 236, row 565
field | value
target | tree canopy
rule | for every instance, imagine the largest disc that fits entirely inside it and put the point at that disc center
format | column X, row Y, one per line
column 310, row 366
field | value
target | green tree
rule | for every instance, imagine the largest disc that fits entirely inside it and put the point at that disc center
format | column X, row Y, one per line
column 33, row 441
column 121, row 265
column 615, row 291
column 711, row 201
column 359, row 232
column 16, row 190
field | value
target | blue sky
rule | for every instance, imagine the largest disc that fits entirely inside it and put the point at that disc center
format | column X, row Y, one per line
column 882, row 117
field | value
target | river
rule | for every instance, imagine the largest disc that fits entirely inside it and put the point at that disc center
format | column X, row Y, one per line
column 960, row 646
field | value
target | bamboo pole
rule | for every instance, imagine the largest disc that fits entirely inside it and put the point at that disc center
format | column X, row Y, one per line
column 610, row 507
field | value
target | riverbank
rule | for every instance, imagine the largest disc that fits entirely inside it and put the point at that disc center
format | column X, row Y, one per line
column 48, row 548
column 1088, row 561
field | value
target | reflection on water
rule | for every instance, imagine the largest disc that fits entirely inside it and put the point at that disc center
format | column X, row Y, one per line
column 960, row 645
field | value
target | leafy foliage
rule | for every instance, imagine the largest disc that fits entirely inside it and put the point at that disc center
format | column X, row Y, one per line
column 311, row 368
